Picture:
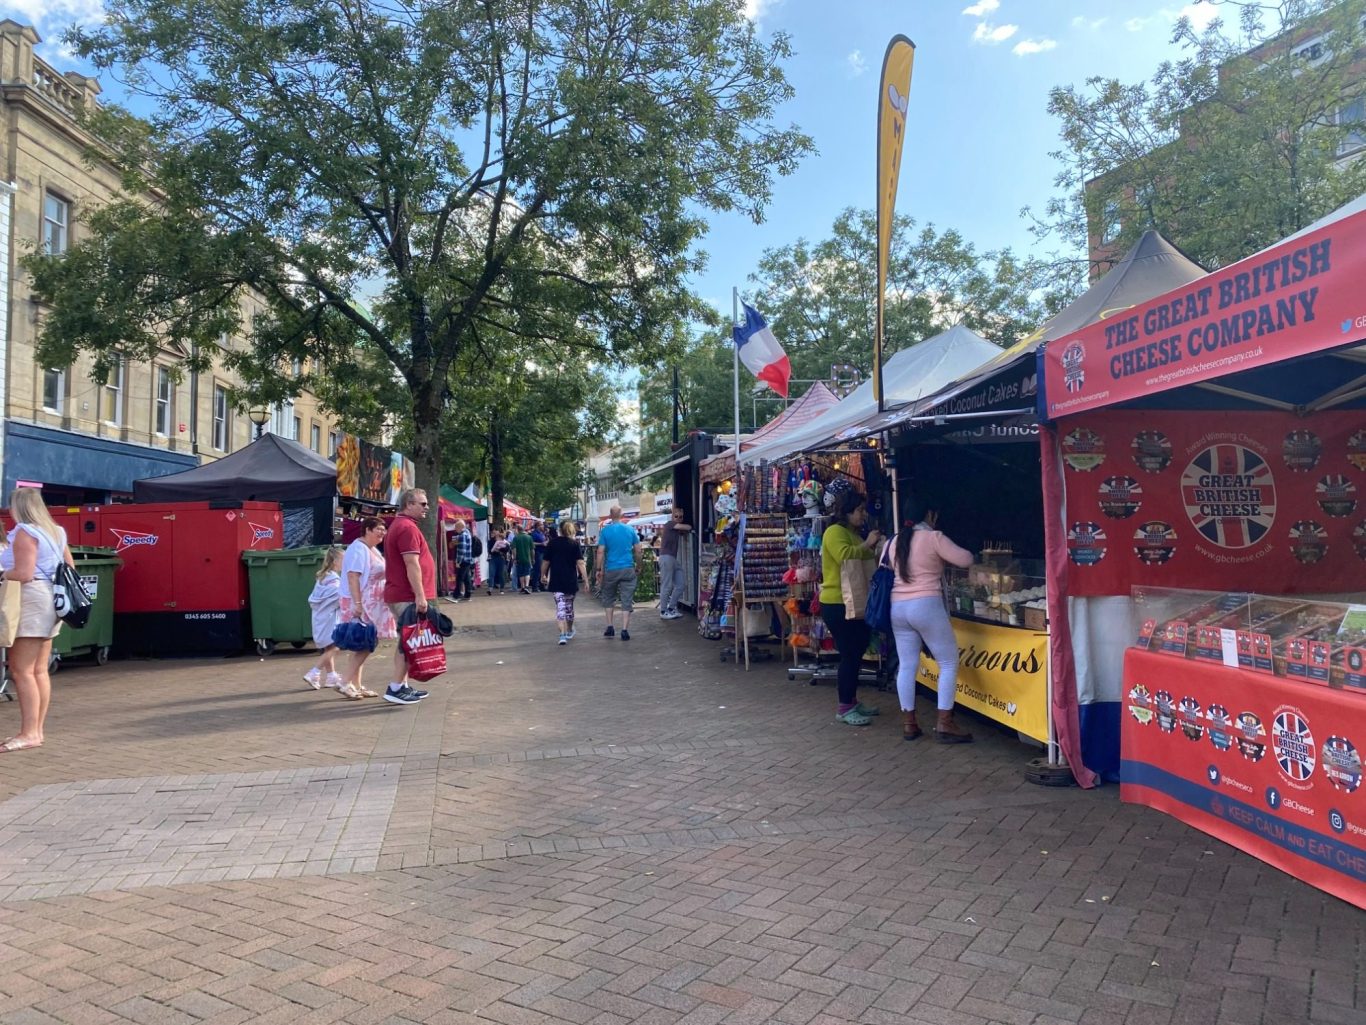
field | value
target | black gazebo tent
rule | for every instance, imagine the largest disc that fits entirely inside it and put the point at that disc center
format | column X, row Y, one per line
column 270, row 469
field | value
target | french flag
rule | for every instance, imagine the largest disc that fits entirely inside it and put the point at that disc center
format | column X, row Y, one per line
column 760, row 351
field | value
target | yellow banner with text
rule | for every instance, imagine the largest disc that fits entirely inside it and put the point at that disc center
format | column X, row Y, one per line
column 1002, row 673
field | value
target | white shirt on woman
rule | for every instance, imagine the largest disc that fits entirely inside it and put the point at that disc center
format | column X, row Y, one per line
column 50, row 553
column 357, row 559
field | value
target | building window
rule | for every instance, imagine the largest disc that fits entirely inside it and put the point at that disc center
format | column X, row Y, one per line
column 1110, row 221
column 165, row 411
column 315, row 438
column 54, row 390
column 56, row 224
column 331, row 443
column 298, row 434
column 111, row 395
column 220, row 418
column 1352, row 118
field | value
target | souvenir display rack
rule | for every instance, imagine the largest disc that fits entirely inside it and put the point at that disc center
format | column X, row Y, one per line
column 808, row 632
column 763, row 560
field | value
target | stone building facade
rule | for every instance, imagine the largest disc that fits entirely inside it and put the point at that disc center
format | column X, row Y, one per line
column 82, row 440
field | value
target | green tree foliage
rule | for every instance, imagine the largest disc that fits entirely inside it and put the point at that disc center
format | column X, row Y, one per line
column 820, row 299
column 1225, row 151
column 534, row 170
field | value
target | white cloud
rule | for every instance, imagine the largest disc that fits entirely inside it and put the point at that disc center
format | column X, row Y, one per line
column 1081, row 21
column 1200, row 15
column 756, row 9
column 993, row 34
column 857, row 65
column 982, row 7
column 1027, row 46
column 51, row 18
column 1136, row 24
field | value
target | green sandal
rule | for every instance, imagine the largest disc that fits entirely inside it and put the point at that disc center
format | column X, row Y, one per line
column 863, row 709
column 853, row 717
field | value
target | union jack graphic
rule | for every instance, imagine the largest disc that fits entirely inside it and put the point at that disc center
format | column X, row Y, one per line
column 1293, row 743
column 1239, row 531
column 1342, row 764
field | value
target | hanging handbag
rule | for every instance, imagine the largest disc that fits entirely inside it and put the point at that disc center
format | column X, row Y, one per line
column 854, row 577
column 70, row 600
column 11, row 608
column 878, row 612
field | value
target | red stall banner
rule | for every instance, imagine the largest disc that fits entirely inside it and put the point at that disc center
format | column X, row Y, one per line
column 1271, row 766
column 1300, row 297
column 1224, row 501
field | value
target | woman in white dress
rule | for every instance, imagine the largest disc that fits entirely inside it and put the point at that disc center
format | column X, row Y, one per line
column 362, row 599
column 36, row 547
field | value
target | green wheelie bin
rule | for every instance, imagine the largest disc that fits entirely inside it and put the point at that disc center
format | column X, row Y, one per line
column 96, row 567
column 278, row 585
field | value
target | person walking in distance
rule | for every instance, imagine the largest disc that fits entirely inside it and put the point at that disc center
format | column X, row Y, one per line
column 498, row 562
column 523, row 548
column 409, row 579
column 919, row 619
column 618, row 570
column 464, row 560
column 670, row 569
column 539, row 537
column 560, row 574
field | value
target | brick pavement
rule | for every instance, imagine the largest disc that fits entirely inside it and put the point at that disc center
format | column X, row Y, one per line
column 609, row 833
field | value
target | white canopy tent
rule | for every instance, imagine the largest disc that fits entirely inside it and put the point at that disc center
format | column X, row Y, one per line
column 909, row 375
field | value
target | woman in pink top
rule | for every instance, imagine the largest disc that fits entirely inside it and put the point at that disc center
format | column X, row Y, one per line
column 919, row 618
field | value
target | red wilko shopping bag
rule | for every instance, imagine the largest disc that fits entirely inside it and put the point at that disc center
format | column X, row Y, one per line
column 424, row 649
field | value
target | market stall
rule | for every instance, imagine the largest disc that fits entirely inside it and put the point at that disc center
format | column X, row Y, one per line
column 971, row 450
column 1213, row 438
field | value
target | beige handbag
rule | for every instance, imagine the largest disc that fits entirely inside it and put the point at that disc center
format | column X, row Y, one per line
column 11, row 606
column 854, row 577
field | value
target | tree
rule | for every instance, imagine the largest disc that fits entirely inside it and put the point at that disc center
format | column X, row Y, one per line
column 1227, row 150
column 820, row 299
column 333, row 177
column 528, row 433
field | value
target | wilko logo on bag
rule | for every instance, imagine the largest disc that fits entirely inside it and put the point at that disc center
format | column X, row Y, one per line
column 260, row 533
column 131, row 539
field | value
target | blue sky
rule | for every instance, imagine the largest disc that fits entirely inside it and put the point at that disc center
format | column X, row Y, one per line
column 979, row 130
column 979, row 135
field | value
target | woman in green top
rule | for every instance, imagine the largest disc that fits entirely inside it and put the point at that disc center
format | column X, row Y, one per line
column 842, row 541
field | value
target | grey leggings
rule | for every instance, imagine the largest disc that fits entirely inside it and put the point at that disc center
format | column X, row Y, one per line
column 918, row 622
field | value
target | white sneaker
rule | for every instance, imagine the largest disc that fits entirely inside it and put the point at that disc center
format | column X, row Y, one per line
column 334, row 680
column 564, row 638
column 570, row 636
column 314, row 678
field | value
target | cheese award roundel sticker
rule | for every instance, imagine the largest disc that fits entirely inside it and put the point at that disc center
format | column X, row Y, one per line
column 1229, row 495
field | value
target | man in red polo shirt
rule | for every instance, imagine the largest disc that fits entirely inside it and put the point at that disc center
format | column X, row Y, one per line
column 409, row 579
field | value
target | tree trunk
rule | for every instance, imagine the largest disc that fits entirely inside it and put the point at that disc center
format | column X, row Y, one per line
column 496, row 470
column 427, row 456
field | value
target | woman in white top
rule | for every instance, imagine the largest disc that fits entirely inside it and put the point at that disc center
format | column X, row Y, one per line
column 36, row 547
column 362, row 599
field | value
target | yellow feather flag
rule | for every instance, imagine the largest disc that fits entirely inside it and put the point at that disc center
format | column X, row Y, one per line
column 893, row 98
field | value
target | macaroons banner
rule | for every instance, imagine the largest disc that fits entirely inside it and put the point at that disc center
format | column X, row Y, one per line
column 1269, row 502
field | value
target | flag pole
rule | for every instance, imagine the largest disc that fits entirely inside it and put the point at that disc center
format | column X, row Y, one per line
column 741, row 633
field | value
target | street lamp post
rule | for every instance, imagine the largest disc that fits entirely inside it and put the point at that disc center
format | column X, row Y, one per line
column 260, row 416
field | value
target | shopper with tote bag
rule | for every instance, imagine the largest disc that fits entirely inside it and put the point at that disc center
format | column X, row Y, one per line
column 846, row 564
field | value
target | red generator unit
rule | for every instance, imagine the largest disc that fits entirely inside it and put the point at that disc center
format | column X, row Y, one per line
column 182, row 589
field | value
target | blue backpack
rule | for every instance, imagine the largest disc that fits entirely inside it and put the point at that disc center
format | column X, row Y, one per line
column 878, row 612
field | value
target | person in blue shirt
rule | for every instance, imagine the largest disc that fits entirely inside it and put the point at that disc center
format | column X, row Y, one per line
column 618, row 569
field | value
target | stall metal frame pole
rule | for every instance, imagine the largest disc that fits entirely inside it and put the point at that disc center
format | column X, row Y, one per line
column 741, row 626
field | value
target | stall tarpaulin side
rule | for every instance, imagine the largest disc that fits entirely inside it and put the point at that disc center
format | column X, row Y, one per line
column 1214, row 500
